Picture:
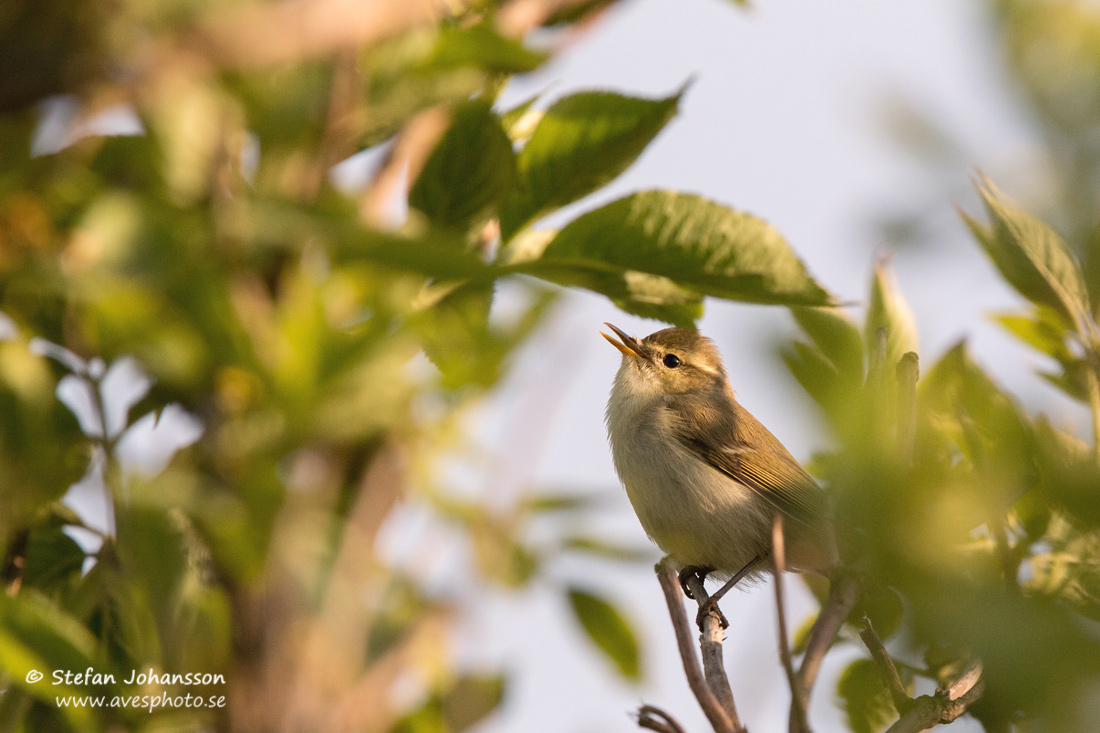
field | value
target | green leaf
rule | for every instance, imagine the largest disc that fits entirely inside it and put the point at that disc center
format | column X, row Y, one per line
column 482, row 47
column 607, row 550
column 815, row 374
column 884, row 608
column 469, row 171
column 802, row 634
column 608, row 630
column 52, row 557
column 835, row 335
column 1030, row 255
column 510, row 120
column 864, row 697
column 889, row 310
column 702, row 246
column 472, row 698
column 583, row 142
column 985, row 424
column 37, row 635
column 1042, row 329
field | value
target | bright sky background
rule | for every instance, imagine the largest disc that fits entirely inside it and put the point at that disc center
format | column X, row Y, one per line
column 787, row 119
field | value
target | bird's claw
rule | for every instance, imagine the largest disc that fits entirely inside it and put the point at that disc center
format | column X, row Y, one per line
column 708, row 607
column 688, row 573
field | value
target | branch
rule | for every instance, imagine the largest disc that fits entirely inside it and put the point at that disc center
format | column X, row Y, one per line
column 653, row 718
column 711, row 637
column 902, row 701
column 798, row 692
column 717, row 716
column 945, row 705
column 842, row 598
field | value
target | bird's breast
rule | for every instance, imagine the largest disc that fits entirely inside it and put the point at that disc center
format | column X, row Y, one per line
column 692, row 511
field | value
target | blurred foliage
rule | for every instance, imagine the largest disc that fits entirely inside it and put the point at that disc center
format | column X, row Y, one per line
column 310, row 354
column 178, row 269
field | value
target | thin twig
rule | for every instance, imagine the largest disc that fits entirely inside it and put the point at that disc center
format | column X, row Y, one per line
column 902, row 701
column 711, row 636
column 945, row 705
column 651, row 717
column 798, row 694
column 717, row 716
column 842, row 598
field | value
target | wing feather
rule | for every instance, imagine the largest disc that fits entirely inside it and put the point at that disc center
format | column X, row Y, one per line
column 744, row 450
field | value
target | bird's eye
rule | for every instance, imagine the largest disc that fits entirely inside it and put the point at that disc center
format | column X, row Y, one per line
column 671, row 361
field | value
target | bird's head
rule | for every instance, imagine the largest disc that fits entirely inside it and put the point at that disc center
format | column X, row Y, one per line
column 672, row 361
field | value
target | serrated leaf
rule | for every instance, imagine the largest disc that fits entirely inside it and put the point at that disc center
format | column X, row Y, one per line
column 835, row 336
column 702, row 246
column 889, row 310
column 864, row 697
column 609, row 631
column 1030, row 255
column 470, row 170
column 583, row 142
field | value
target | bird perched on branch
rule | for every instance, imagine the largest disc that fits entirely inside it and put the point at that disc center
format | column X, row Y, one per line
column 705, row 478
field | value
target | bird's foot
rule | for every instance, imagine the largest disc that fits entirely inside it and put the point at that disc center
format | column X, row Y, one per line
column 698, row 571
column 708, row 607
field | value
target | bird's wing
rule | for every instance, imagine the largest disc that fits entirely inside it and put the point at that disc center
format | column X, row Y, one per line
column 774, row 474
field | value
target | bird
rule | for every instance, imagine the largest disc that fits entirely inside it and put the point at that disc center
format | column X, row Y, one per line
column 706, row 478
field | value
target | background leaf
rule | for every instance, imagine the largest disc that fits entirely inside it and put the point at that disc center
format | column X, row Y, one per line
column 889, row 310
column 864, row 697
column 1030, row 255
column 470, row 170
column 609, row 631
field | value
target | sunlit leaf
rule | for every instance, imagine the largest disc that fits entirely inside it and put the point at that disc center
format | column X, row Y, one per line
column 1041, row 329
column 481, row 46
column 582, row 142
column 1030, row 255
column 702, row 246
column 865, row 698
column 835, row 336
column 889, row 310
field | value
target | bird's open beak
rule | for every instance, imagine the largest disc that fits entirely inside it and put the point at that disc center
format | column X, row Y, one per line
column 629, row 346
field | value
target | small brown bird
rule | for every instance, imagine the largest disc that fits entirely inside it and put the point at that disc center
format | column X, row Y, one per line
column 705, row 478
